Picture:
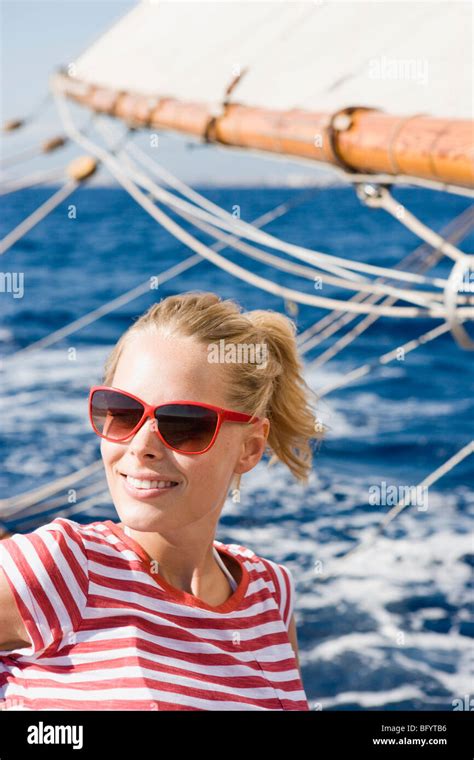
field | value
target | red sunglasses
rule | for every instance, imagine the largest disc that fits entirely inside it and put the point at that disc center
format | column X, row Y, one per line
column 185, row 426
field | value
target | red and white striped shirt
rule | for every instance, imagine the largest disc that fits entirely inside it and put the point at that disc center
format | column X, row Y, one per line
column 108, row 633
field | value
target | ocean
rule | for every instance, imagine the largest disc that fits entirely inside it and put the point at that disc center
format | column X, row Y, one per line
column 390, row 627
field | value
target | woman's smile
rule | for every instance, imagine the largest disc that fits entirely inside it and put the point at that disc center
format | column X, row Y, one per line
column 141, row 488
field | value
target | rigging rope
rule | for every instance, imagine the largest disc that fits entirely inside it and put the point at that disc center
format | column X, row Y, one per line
column 31, row 497
column 95, row 314
column 275, row 261
column 24, row 155
column 246, row 229
column 361, row 327
column 135, row 292
column 41, row 509
column 371, row 536
column 462, row 267
column 114, row 167
column 269, row 258
column 364, row 369
column 303, row 271
column 455, row 230
column 79, row 170
column 37, row 178
column 417, row 297
column 91, row 503
column 200, row 200
column 37, row 216
column 380, row 197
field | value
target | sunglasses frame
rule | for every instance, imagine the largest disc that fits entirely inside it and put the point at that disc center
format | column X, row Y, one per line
column 149, row 412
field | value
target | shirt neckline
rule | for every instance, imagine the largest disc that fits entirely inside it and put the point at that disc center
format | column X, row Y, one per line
column 177, row 594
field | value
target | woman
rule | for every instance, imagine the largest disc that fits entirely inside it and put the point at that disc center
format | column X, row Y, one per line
column 154, row 612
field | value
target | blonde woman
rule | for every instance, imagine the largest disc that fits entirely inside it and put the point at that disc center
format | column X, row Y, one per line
column 154, row 612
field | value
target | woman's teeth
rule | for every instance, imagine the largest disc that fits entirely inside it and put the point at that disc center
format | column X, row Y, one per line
column 150, row 483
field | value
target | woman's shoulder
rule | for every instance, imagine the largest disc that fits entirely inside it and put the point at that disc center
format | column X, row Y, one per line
column 67, row 528
column 97, row 528
column 255, row 557
column 278, row 573
column 62, row 531
column 48, row 572
column 275, row 576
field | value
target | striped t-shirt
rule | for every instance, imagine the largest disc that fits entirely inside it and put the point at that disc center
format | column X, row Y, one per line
column 109, row 633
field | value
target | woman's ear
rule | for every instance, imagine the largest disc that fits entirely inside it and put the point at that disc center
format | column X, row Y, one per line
column 254, row 445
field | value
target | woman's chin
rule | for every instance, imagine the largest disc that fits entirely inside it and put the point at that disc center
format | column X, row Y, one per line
column 139, row 516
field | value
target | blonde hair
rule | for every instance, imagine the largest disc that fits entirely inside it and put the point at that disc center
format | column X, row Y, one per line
column 277, row 391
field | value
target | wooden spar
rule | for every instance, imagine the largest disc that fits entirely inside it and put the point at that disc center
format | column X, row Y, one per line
column 358, row 139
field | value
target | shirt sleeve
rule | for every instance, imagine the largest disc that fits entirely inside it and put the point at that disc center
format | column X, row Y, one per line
column 47, row 571
column 284, row 592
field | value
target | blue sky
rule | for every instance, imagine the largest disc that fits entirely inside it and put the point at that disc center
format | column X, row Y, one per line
column 37, row 36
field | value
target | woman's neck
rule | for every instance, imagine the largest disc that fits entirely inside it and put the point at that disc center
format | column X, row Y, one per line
column 197, row 573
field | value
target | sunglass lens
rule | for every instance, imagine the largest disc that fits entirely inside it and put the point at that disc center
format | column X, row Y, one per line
column 187, row 428
column 114, row 414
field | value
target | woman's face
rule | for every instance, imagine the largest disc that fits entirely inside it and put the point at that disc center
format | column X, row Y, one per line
column 159, row 368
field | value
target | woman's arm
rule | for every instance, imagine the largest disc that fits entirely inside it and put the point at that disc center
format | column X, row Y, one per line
column 292, row 635
column 13, row 633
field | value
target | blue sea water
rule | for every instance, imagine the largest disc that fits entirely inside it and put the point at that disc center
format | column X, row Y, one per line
column 390, row 627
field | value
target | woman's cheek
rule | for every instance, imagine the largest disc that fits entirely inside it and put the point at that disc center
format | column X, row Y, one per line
column 107, row 451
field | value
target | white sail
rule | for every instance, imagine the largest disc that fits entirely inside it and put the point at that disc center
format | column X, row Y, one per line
column 401, row 57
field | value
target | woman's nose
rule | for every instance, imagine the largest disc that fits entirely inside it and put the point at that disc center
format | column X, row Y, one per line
column 146, row 440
